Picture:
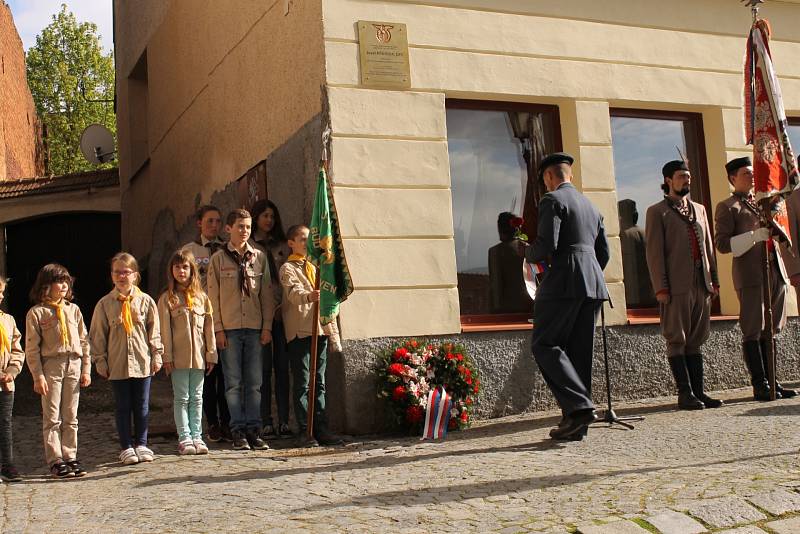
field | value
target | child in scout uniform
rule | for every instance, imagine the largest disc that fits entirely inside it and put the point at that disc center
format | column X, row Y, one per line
column 126, row 349
column 57, row 352
column 11, row 358
column 297, row 278
column 209, row 220
column 187, row 331
column 244, row 305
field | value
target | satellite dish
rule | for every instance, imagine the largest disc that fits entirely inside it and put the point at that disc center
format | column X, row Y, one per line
column 97, row 144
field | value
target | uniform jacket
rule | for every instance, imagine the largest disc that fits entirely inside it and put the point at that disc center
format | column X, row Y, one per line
column 203, row 249
column 298, row 319
column 187, row 334
column 733, row 217
column 11, row 362
column 572, row 239
column 113, row 352
column 232, row 309
column 669, row 249
column 43, row 336
column 792, row 255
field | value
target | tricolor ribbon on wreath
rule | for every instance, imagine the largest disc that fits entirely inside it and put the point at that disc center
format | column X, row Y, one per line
column 437, row 414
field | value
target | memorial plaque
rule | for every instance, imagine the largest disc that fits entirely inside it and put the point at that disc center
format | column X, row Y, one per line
column 383, row 53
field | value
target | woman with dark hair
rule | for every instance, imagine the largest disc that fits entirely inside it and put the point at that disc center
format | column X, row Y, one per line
column 268, row 235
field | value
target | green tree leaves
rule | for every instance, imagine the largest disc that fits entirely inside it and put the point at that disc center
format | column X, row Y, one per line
column 66, row 60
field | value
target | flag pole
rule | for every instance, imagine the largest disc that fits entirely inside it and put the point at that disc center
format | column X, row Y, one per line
column 312, row 367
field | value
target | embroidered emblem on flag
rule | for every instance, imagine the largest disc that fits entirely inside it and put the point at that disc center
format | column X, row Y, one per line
column 437, row 414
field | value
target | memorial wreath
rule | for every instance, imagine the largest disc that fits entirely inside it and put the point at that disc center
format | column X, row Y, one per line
column 409, row 370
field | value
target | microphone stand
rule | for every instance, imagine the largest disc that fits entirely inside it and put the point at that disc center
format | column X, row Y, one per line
column 610, row 416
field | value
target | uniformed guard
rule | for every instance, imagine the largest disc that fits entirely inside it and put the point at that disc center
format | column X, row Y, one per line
column 739, row 231
column 572, row 240
column 680, row 258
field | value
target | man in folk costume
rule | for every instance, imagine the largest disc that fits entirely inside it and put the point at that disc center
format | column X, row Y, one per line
column 571, row 238
column 680, row 257
column 739, row 230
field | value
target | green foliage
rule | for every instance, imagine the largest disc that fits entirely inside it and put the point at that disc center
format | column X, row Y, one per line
column 67, row 56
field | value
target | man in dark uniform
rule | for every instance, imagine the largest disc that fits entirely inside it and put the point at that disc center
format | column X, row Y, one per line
column 683, row 271
column 572, row 240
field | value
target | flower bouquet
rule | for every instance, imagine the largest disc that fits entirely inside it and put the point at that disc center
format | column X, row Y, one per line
column 407, row 372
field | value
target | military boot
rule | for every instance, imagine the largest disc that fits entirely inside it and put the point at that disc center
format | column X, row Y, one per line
column 694, row 364
column 686, row 399
column 755, row 365
column 781, row 392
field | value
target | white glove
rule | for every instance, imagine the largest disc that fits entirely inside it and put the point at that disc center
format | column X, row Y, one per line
column 762, row 234
column 742, row 243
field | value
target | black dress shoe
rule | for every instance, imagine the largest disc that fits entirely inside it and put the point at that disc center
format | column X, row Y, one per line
column 784, row 393
column 574, row 423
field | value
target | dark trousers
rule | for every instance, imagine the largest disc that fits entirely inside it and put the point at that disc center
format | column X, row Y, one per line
column 275, row 357
column 300, row 358
column 132, row 397
column 562, row 344
column 214, row 404
column 6, row 407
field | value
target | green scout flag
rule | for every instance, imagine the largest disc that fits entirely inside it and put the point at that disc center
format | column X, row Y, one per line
column 326, row 251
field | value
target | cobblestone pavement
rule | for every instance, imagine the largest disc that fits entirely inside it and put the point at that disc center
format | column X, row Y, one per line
column 721, row 467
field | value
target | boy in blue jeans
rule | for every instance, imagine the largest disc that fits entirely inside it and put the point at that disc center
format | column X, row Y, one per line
column 244, row 306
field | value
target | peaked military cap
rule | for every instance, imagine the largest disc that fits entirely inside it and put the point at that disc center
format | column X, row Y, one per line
column 554, row 159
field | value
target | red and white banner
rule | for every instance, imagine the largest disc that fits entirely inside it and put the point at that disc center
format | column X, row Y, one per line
column 774, row 164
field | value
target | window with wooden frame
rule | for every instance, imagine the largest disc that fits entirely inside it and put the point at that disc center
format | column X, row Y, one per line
column 494, row 149
column 794, row 135
column 643, row 141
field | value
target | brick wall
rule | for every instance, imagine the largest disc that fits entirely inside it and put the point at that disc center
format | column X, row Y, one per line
column 21, row 149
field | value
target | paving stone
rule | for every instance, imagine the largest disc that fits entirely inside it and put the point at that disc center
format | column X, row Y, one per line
column 671, row 522
column 777, row 502
column 785, row 526
column 742, row 530
column 725, row 512
column 616, row 527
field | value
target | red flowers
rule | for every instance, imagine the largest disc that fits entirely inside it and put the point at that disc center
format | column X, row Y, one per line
column 398, row 393
column 400, row 354
column 464, row 416
column 517, row 222
column 396, row 369
column 414, row 414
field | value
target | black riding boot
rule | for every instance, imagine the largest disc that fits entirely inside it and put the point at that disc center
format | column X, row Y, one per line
column 781, row 392
column 755, row 364
column 694, row 364
column 686, row 399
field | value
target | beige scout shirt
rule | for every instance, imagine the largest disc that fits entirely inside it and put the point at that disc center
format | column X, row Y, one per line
column 11, row 362
column 116, row 353
column 297, row 309
column 233, row 309
column 43, row 337
column 187, row 334
column 202, row 252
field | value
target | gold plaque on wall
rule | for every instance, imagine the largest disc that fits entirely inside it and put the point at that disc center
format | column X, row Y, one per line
column 383, row 51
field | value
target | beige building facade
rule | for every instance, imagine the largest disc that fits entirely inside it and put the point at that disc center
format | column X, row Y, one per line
column 206, row 94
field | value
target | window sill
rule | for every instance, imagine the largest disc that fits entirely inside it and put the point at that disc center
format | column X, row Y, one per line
column 495, row 327
column 634, row 320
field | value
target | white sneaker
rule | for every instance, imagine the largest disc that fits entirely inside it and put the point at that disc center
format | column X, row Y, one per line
column 144, row 454
column 186, row 447
column 128, row 457
column 200, row 446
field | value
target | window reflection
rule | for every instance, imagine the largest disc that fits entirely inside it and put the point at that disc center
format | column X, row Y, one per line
column 490, row 177
column 642, row 144
column 794, row 136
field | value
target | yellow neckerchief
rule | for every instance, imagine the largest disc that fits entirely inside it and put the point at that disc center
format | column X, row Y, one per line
column 127, row 317
column 308, row 267
column 5, row 340
column 189, row 298
column 62, row 321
